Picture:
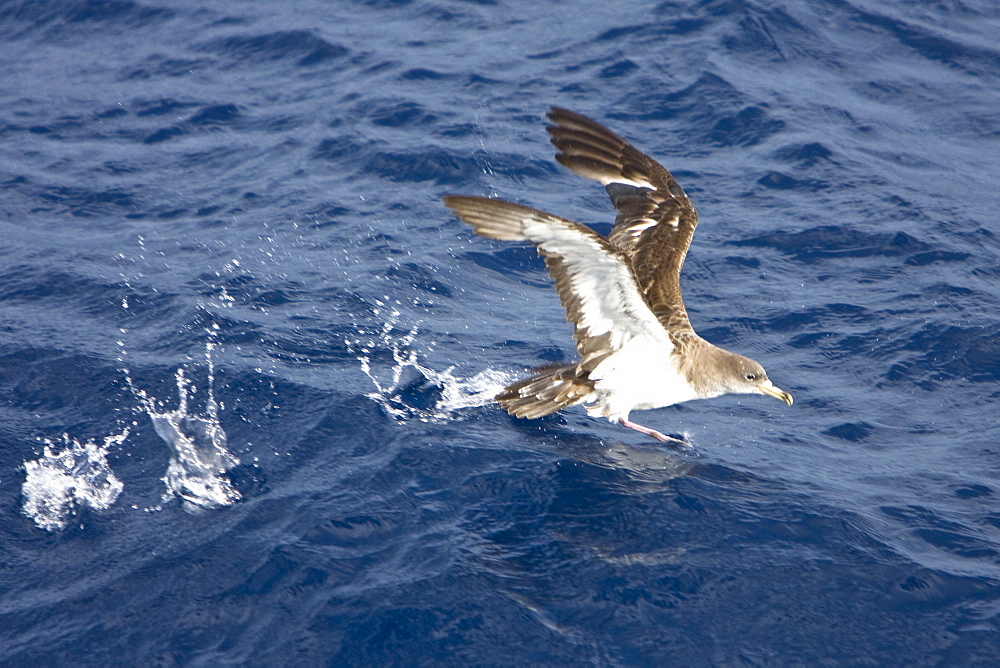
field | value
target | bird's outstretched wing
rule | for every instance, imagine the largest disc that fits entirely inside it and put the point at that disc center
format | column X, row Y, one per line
column 655, row 221
column 594, row 279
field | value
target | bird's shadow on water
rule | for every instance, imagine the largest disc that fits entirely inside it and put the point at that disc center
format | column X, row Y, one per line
column 641, row 458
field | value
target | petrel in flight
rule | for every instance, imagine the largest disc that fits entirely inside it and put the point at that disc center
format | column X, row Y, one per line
column 622, row 292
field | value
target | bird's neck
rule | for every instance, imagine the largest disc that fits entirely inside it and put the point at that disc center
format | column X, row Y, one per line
column 698, row 363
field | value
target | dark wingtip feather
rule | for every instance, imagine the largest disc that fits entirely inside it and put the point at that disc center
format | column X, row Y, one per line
column 490, row 218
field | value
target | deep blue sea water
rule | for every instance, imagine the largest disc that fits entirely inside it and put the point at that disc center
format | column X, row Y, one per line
column 246, row 354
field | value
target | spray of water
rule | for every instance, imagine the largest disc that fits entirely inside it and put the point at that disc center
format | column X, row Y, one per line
column 199, row 455
column 69, row 475
column 408, row 389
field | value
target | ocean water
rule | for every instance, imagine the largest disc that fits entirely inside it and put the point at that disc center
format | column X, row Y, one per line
column 246, row 355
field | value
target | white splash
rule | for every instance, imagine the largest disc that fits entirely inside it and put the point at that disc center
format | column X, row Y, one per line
column 61, row 481
column 409, row 389
column 199, row 456
column 479, row 390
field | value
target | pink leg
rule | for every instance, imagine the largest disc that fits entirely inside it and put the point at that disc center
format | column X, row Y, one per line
column 650, row 432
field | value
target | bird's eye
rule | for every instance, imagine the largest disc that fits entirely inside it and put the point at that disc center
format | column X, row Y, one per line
column 751, row 376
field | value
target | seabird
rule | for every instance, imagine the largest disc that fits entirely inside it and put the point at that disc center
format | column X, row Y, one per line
column 622, row 292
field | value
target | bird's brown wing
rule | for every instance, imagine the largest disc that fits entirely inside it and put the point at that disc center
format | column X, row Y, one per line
column 655, row 221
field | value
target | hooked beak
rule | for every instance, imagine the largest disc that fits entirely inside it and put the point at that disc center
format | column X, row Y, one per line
column 767, row 387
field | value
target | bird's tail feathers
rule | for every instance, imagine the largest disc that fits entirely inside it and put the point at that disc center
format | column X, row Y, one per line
column 550, row 389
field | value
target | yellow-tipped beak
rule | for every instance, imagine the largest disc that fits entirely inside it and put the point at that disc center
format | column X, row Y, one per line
column 767, row 387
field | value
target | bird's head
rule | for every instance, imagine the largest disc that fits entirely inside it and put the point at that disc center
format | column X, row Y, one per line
column 748, row 377
column 736, row 374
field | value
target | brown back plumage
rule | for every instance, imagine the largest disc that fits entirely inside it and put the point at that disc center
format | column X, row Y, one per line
column 655, row 221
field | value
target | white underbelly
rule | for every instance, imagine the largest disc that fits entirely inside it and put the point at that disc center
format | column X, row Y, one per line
column 637, row 377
